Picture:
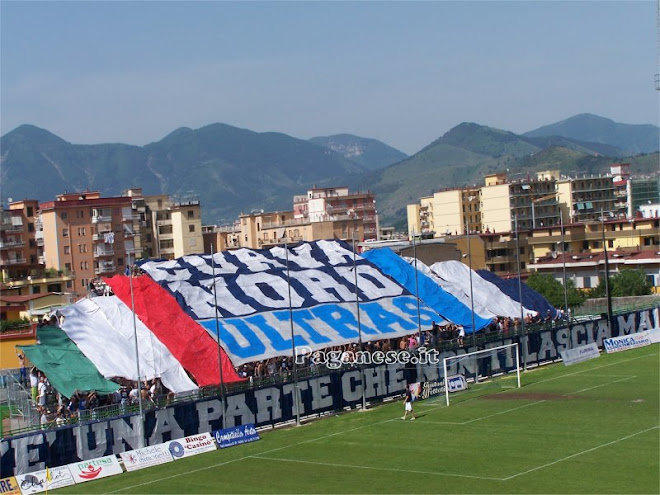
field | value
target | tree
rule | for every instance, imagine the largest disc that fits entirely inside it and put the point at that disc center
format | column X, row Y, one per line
column 624, row 284
column 553, row 290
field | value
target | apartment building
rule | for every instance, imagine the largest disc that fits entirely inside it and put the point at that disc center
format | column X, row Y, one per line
column 448, row 212
column 18, row 243
column 523, row 204
column 23, row 266
column 583, row 198
column 89, row 235
column 266, row 229
column 173, row 227
column 338, row 204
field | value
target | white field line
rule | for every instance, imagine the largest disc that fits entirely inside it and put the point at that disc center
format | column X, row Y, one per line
column 389, row 469
column 173, row 476
column 436, row 473
column 580, row 453
column 137, row 485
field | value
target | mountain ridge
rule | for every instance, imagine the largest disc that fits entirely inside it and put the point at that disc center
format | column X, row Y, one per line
column 234, row 170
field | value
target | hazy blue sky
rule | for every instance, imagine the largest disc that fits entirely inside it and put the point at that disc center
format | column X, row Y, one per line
column 401, row 72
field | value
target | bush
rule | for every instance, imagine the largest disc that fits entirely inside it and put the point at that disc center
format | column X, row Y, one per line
column 9, row 325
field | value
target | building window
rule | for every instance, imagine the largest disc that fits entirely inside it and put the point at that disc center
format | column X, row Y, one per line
column 65, row 232
column 191, row 214
column 69, row 284
column 120, row 261
column 32, row 243
column 67, row 250
column 191, row 228
column 610, row 243
column 80, row 214
column 64, row 215
column 30, row 227
column 67, row 267
column 81, row 231
column 82, row 248
column 586, row 282
column 30, row 212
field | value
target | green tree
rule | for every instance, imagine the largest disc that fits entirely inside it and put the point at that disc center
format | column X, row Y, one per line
column 553, row 290
column 624, row 284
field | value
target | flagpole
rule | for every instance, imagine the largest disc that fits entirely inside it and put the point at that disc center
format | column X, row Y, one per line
column 419, row 319
column 217, row 331
column 293, row 343
column 357, row 305
column 137, row 353
column 563, row 257
column 522, row 317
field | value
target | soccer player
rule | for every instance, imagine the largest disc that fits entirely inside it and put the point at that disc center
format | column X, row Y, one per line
column 407, row 405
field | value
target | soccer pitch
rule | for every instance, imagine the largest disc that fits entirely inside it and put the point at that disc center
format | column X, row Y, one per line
column 589, row 428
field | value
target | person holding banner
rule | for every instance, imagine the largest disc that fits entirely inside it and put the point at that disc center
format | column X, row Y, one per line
column 407, row 405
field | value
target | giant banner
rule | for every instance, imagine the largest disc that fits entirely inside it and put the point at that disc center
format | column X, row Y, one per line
column 308, row 291
column 275, row 404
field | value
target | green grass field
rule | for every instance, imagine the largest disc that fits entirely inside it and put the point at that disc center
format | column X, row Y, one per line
column 588, row 428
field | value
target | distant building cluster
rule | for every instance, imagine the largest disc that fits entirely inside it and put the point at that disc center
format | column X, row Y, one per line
column 549, row 222
column 67, row 246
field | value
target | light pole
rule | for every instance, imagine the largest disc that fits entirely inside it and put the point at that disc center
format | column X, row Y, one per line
column 522, row 318
column 357, row 307
column 563, row 257
column 419, row 321
column 217, row 331
column 137, row 352
column 469, row 246
column 607, row 275
column 293, row 342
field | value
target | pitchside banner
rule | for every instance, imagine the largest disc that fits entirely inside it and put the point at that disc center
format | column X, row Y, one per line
column 192, row 445
column 275, row 404
column 145, row 457
column 95, row 469
column 580, row 354
column 41, row 481
column 255, row 289
column 9, row 486
column 626, row 342
column 236, row 435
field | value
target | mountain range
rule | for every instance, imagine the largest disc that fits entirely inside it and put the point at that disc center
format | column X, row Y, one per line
column 234, row 170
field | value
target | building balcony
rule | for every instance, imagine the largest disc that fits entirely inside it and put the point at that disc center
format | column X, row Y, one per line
column 106, row 267
column 102, row 218
column 11, row 244
column 129, row 218
column 60, row 277
column 13, row 261
column 103, row 252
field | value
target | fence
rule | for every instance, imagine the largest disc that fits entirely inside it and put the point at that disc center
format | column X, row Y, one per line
column 25, row 418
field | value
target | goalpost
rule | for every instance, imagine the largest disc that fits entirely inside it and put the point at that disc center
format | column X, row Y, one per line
column 476, row 365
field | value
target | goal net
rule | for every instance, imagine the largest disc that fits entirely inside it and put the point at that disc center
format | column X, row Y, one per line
column 482, row 372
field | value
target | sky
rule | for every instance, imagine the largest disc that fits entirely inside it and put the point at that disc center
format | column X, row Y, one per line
column 404, row 73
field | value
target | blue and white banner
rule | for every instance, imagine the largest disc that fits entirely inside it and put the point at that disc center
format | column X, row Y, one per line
column 259, row 293
column 579, row 354
column 456, row 383
column 236, row 435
